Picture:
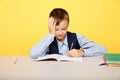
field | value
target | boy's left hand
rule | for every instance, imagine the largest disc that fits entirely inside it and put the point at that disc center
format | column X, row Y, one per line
column 76, row 53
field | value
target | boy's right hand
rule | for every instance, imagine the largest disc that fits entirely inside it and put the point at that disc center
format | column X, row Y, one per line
column 51, row 26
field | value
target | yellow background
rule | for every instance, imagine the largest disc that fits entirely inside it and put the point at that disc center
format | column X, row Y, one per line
column 23, row 23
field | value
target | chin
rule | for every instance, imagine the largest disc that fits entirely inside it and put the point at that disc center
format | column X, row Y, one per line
column 60, row 38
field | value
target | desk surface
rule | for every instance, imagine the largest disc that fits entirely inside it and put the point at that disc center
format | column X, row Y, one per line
column 24, row 68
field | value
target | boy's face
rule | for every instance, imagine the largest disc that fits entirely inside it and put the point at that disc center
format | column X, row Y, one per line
column 61, row 30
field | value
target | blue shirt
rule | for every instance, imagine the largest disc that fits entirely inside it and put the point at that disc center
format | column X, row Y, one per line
column 90, row 48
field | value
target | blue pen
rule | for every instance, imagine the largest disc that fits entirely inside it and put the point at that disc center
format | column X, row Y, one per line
column 102, row 64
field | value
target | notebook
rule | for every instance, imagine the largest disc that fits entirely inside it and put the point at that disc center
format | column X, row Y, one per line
column 112, row 60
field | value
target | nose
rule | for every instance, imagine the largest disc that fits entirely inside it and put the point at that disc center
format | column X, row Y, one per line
column 60, row 32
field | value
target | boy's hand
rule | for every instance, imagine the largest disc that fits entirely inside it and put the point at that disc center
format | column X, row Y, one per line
column 76, row 53
column 51, row 26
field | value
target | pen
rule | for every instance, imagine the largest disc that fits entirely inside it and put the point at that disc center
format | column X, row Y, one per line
column 15, row 61
column 71, row 46
column 102, row 64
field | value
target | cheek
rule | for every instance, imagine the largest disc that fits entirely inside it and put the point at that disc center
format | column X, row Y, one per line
column 56, row 32
column 64, row 32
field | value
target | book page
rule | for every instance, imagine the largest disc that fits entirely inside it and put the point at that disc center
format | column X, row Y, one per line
column 57, row 57
column 48, row 57
column 67, row 58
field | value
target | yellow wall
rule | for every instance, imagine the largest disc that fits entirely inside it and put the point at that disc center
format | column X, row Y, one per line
column 23, row 23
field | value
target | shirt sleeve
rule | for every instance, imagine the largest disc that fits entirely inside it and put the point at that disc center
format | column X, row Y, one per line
column 42, row 47
column 90, row 48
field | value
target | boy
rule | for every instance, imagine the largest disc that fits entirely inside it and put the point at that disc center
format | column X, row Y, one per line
column 60, row 41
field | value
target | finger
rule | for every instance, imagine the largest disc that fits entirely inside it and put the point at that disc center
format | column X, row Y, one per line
column 54, row 23
column 72, row 50
column 71, row 54
column 51, row 22
column 51, row 19
column 74, row 53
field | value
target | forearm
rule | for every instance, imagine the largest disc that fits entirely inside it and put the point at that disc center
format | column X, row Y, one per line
column 42, row 47
column 95, row 50
column 90, row 48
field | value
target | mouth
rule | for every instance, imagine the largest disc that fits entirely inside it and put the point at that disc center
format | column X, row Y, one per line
column 59, row 37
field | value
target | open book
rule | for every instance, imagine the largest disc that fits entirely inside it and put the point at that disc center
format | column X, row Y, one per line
column 56, row 57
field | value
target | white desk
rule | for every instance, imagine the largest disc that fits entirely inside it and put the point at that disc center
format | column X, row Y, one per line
column 26, row 69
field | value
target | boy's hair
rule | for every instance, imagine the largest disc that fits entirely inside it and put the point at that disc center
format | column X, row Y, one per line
column 59, row 14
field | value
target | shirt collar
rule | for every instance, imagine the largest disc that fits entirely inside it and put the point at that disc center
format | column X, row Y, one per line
column 65, row 42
